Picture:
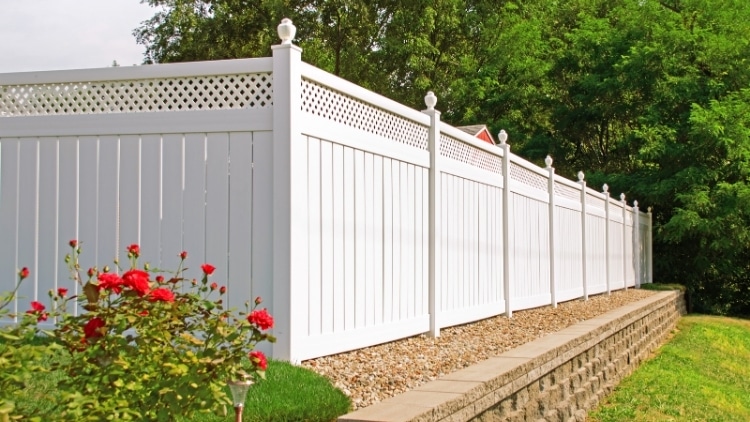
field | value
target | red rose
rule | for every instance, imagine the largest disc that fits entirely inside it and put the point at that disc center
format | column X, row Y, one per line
column 160, row 279
column 258, row 300
column 183, row 255
column 258, row 359
column 161, row 295
column 222, row 289
column 261, row 318
column 208, row 269
column 92, row 329
column 137, row 280
column 91, row 272
column 38, row 309
column 23, row 273
column 73, row 243
column 62, row 291
column 134, row 250
column 214, row 286
column 110, row 281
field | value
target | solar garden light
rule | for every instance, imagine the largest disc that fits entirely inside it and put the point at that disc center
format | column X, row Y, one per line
column 239, row 392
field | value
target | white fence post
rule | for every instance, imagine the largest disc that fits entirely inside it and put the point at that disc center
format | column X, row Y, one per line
column 583, row 234
column 624, row 241
column 551, row 190
column 649, row 247
column 605, row 189
column 637, row 243
column 434, row 210
column 503, row 137
column 289, row 218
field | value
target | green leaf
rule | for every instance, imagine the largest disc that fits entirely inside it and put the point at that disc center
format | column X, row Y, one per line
column 191, row 339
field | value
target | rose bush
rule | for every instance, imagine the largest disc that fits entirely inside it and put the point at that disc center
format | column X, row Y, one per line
column 149, row 344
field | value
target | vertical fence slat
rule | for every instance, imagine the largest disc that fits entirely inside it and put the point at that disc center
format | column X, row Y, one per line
column 405, row 240
column 108, row 235
column 151, row 202
column 369, row 242
column 398, row 185
column 47, row 237
column 129, row 202
column 239, row 280
column 349, row 281
column 360, row 280
column 262, row 227
column 379, row 248
column 9, row 164
column 194, row 200
column 483, row 231
column 339, row 281
column 28, row 229
column 388, row 253
column 171, row 213
column 217, row 200
column 88, row 197
column 327, row 237
column 67, row 211
column 408, row 239
column 315, row 198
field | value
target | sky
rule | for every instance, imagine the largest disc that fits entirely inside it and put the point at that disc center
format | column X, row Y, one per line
column 69, row 34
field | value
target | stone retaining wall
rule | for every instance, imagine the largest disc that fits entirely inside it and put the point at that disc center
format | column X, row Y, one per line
column 556, row 378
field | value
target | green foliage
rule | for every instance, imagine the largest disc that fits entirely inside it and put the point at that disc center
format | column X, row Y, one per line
column 20, row 359
column 290, row 393
column 700, row 375
column 647, row 96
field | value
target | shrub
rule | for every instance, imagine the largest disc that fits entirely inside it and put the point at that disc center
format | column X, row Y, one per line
column 151, row 344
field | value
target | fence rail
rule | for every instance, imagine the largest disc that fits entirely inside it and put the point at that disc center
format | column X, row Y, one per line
column 358, row 219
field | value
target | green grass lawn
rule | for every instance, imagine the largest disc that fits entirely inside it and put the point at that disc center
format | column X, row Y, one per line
column 290, row 393
column 662, row 286
column 702, row 374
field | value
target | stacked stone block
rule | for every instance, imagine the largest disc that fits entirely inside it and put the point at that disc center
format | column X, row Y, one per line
column 600, row 360
column 559, row 377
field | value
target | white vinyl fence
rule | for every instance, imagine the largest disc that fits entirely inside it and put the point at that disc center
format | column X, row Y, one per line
column 357, row 219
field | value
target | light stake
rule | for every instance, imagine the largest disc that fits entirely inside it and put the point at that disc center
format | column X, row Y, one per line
column 239, row 392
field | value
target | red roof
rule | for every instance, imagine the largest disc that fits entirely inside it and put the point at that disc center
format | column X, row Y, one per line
column 480, row 132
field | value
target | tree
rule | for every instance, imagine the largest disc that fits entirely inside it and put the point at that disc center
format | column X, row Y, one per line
column 648, row 96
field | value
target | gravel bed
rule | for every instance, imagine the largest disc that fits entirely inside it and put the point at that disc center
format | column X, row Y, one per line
column 375, row 373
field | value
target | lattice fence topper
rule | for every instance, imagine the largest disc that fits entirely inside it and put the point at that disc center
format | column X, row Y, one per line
column 566, row 191
column 332, row 105
column 460, row 151
column 528, row 177
column 241, row 91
